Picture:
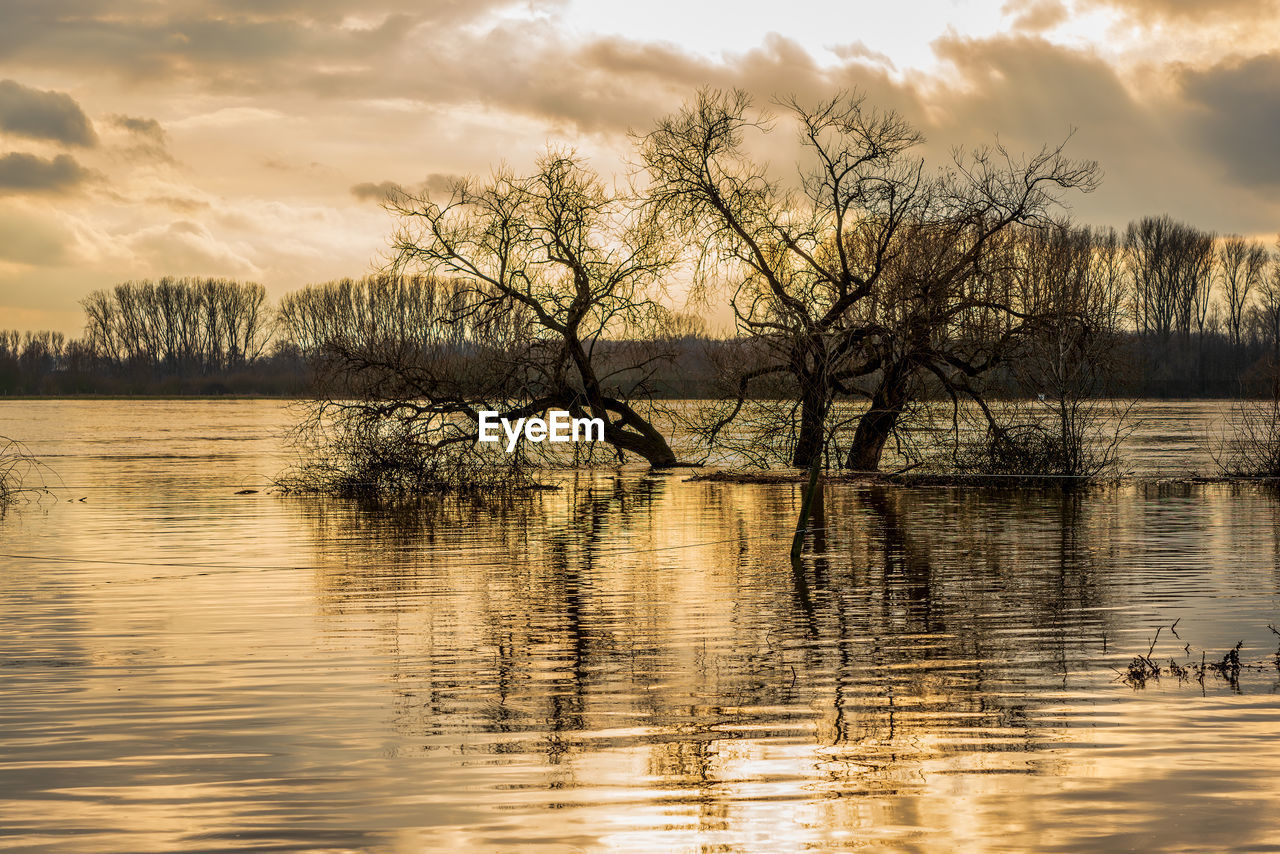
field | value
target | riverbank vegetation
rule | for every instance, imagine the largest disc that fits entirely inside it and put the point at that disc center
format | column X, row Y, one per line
column 1249, row 447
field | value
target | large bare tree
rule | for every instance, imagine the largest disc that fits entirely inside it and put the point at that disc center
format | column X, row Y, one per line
column 870, row 278
column 578, row 263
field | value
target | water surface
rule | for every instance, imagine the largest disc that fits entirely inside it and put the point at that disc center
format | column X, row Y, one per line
column 627, row 664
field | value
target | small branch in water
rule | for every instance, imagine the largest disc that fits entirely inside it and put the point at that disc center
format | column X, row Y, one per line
column 1152, row 648
column 1143, row 668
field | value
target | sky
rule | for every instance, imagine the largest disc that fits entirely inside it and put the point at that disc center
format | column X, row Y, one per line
column 251, row 139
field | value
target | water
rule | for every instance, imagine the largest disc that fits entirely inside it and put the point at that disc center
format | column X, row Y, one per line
column 627, row 664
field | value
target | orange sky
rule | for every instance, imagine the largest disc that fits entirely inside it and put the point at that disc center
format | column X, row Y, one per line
column 247, row 138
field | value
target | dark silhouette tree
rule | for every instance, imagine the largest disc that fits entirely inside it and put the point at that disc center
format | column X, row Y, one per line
column 576, row 265
column 870, row 279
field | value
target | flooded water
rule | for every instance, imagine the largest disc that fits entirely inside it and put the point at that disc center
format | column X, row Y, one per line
column 627, row 664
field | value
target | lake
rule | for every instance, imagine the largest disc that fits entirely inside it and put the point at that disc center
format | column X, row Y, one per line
column 630, row 663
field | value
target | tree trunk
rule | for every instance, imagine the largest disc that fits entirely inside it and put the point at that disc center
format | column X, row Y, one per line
column 874, row 428
column 814, row 401
column 806, row 505
column 642, row 439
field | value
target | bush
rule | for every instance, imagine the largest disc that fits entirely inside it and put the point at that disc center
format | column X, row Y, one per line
column 362, row 450
column 17, row 469
column 1251, row 445
column 1066, row 440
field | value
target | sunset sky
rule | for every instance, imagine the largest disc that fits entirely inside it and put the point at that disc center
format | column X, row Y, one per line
column 249, row 139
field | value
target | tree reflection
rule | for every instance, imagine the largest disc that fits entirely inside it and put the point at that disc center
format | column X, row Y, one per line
column 585, row 629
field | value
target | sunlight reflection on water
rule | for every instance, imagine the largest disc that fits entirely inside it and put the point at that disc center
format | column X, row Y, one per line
column 629, row 663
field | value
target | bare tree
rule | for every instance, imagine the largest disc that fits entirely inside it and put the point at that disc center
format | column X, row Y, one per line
column 21, row 473
column 871, row 278
column 1171, row 267
column 1149, row 248
column 795, row 262
column 1067, row 420
column 178, row 326
column 1250, row 445
column 1197, row 287
column 577, row 263
column 1269, row 317
column 1242, row 265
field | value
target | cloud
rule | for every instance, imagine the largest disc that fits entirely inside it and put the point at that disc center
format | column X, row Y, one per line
column 180, row 204
column 1035, row 16
column 228, row 117
column 226, row 44
column 368, row 191
column 26, row 173
column 859, row 50
column 438, row 182
column 602, row 85
column 1031, row 92
column 189, row 248
column 441, row 54
column 45, row 115
column 1150, row 12
column 148, row 128
column 32, row 238
column 1033, row 89
column 434, row 184
column 1234, row 114
column 148, row 140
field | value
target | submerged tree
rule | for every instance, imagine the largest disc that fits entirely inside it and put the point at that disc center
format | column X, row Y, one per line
column 18, row 469
column 872, row 279
column 579, row 263
column 398, row 382
column 520, row 295
column 796, row 262
column 1067, row 369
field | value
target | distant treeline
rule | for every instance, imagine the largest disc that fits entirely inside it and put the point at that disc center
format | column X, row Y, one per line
column 1201, row 319
column 172, row 336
